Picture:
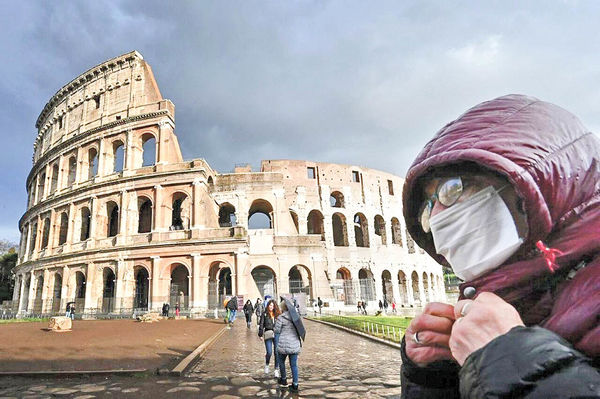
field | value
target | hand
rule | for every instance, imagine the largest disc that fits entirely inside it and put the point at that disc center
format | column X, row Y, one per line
column 433, row 326
column 480, row 321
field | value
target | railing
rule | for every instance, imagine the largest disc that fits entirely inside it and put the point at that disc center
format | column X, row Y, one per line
column 387, row 332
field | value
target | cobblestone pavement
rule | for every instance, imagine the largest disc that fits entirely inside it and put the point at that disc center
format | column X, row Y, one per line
column 333, row 364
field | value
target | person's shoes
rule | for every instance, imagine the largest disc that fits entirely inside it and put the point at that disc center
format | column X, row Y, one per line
column 282, row 382
column 277, row 373
column 228, row 327
column 266, row 369
column 293, row 388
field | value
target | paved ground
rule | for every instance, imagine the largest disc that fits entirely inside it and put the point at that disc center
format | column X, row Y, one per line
column 333, row 364
column 101, row 344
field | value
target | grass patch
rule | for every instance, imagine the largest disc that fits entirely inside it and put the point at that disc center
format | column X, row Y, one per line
column 23, row 320
column 388, row 327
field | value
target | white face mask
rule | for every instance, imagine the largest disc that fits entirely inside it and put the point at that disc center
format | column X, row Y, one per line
column 477, row 235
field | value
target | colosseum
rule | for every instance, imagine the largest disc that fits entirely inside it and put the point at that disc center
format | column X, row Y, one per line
column 118, row 222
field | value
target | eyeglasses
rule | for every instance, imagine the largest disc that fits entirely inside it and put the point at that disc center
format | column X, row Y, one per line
column 447, row 193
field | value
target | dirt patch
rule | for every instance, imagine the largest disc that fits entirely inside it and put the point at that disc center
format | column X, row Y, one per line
column 101, row 344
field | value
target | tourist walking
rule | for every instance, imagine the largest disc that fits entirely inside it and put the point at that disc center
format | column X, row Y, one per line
column 289, row 345
column 231, row 306
column 394, row 307
column 258, row 309
column 248, row 310
column 266, row 332
column 319, row 303
column 385, row 304
column 364, row 306
column 359, row 306
column 508, row 195
column 380, row 306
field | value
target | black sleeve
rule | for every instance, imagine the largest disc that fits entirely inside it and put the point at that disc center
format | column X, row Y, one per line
column 437, row 380
column 529, row 362
column 261, row 324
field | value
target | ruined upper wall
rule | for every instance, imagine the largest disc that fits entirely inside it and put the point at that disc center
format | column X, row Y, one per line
column 119, row 88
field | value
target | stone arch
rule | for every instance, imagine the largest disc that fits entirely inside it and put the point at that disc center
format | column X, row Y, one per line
column 227, row 215
column 387, row 286
column 56, row 293
column 39, row 292
column 300, row 280
column 180, row 211
column 25, row 299
column 117, row 156
column 336, row 199
column 108, row 290
column 396, row 231
column 92, row 163
column 72, row 171
column 54, row 179
column 64, row 228
column 294, row 217
column 84, row 230
column 340, row 230
column 379, row 224
column 367, row 285
column 260, row 215
column 45, row 232
column 112, row 222
column 179, row 289
column 415, row 288
column 141, row 290
column 347, row 292
column 33, row 237
column 361, row 230
column 220, row 284
column 149, row 149
column 145, row 214
column 79, row 291
column 314, row 223
column 265, row 279
column 402, row 288
column 41, row 186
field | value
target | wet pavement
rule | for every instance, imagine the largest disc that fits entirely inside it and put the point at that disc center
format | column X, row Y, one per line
column 333, row 364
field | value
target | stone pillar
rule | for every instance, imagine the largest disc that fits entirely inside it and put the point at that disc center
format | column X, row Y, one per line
column 378, row 287
column 280, row 211
column 240, row 279
column 71, row 227
column 91, row 301
column 28, row 242
column 31, row 296
column 102, row 158
column 45, row 291
column 350, row 229
column 396, row 288
column 21, row 293
column 64, row 289
column 155, row 298
column 195, row 300
column 430, row 290
column 93, row 216
column 47, row 182
column 158, row 209
column 421, row 290
column 51, row 233
column 196, row 204
column 120, row 281
column 129, row 152
column 123, row 203
column 79, row 165
column 410, row 295
column 163, row 133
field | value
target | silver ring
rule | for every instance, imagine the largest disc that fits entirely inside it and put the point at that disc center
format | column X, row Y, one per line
column 416, row 338
column 463, row 311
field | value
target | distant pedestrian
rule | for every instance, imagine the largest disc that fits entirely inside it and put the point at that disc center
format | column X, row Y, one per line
column 319, row 303
column 70, row 310
column 177, row 310
column 265, row 331
column 385, row 304
column 394, row 307
column 359, row 306
column 364, row 306
column 248, row 310
column 231, row 306
column 380, row 306
column 289, row 345
column 259, row 310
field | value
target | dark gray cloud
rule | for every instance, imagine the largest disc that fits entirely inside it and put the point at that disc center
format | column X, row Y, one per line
column 348, row 82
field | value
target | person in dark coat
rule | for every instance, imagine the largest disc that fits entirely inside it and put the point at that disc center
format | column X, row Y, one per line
column 265, row 331
column 508, row 195
column 380, row 306
column 232, row 306
column 248, row 310
column 258, row 309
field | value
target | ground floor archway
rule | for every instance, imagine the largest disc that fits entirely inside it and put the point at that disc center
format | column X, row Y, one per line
column 141, row 289
column 265, row 281
column 179, row 288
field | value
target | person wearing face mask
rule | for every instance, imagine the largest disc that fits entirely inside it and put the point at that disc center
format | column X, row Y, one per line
column 508, row 196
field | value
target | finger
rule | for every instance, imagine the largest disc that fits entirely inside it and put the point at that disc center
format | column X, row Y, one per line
column 432, row 323
column 427, row 354
column 439, row 309
column 459, row 308
column 432, row 338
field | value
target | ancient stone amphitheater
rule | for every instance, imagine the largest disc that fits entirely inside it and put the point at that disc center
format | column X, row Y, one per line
column 118, row 222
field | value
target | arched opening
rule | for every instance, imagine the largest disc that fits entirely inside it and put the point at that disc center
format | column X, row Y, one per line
column 112, row 211
column 426, row 288
column 294, row 216
column 72, row 171
column 39, row 291
column 260, row 215
column 64, row 228
column 402, row 288
column 336, row 199
column 179, row 290
column 142, row 285
column 264, row 278
column 108, row 290
column 300, row 281
column 314, row 223
column 118, row 156
column 144, row 215
column 56, row 293
column 415, row 288
column 25, row 299
column 340, row 232
column 396, row 232
column 41, row 186
column 80, row 287
column 361, row 230
column 227, row 215
column 180, row 219
column 33, row 238
column 210, row 181
column 367, row 285
column 92, row 163
column 386, row 283
column 410, row 244
column 85, row 224
column 379, row 224
column 54, row 181
column 219, row 284
column 148, row 150
column 45, row 233
column 345, row 288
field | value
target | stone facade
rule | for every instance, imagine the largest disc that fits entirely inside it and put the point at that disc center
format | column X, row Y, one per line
column 118, row 221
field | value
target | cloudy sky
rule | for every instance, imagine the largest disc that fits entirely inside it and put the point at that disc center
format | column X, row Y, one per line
column 364, row 83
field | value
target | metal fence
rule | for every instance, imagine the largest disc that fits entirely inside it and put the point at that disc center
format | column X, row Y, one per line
column 380, row 330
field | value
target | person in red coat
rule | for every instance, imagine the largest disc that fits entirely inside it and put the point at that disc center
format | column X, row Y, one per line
column 508, row 196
